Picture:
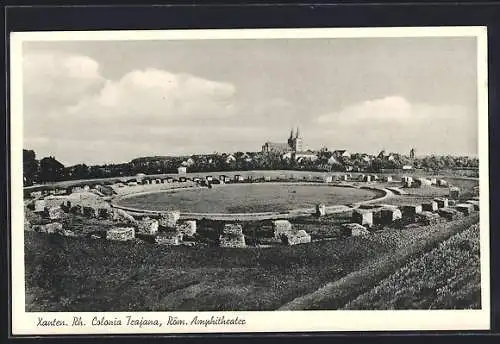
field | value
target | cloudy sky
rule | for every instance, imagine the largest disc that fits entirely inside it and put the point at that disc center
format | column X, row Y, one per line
column 102, row 102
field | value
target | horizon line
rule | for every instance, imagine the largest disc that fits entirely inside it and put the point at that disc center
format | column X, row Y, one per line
column 187, row 155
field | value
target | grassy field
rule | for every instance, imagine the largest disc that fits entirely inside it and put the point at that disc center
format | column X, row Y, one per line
column 83, row 274
column 245, row 198
column 447, row 277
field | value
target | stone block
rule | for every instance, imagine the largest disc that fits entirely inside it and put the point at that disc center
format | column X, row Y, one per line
column 296, row 238
column 475, row 203
column 50, row 228
column 36, row 194
column 55, row 213
column 428, row 218
column 430, row 206
column 410, row 210
column 406, row 179
column 355, row 229
column 454, row 192
column 422, row 182
column 363, row 217
column 169, row 218
column 441, row 202
column 232, row 228
column 320, row 210
column 147, row 226
column 475, row 191
column 187, row 227
column 76, row 210
column 465, row 208
column 104, row 213
column 450, row 213
column 121, row 233
column 442, row 182
column 236, row 240
column 169, row 238
column 39, row 206
column 281, row 227
column 66, row 206
column 389, row 215
column 122, row 216
column 90, row 212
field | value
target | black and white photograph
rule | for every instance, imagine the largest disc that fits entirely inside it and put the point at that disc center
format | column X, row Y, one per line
column 249, row 180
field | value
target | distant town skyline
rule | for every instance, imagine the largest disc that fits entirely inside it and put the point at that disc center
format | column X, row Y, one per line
column 99, row 102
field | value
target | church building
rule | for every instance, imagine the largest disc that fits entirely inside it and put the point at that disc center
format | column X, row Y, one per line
column 294, row 144
column 292, row 149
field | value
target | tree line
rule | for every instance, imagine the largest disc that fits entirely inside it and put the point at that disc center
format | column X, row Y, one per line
column 49, row 169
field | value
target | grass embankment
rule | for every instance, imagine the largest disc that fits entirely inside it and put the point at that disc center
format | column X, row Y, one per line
column 83, row 274
column 336, row 294
column 447, row 277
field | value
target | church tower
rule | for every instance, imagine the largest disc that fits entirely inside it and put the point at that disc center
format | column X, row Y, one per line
column 297, row 145
column 290, row 139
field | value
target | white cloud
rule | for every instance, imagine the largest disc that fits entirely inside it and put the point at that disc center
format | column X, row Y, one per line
column 54, row 78
column 154, row 94
column 391, row 108
column 71, row 109
column 72, row 85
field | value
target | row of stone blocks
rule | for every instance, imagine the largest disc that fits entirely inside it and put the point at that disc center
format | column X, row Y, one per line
column 422, row 182
column 56, row 212
column 172, row 235
column 150, row 227
column 232, row 234
column 146, row 226
column 426, row 210
column 406, row 180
